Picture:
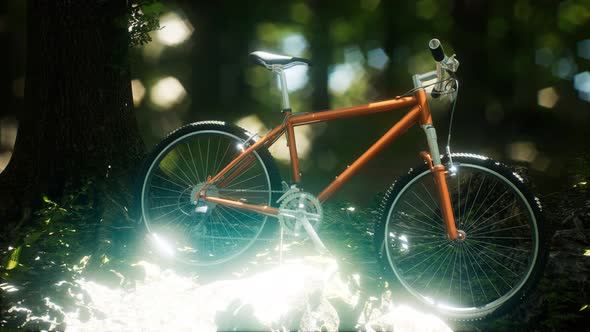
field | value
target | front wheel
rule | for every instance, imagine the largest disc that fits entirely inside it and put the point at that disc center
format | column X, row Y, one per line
column 197, row 232
column 501, row 256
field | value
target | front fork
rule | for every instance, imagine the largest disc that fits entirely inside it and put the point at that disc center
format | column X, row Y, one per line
column 439, row 172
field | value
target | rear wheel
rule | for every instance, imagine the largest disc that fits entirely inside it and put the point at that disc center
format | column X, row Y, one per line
column 499, row 260
column 202, row 233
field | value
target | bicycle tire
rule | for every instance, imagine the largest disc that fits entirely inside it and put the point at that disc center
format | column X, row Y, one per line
column 179, row 166
column 501, row 258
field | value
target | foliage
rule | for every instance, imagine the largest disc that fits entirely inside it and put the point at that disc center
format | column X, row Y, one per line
column 580, row 170
column 349, row 230
column 143, row 17
column 56, row 239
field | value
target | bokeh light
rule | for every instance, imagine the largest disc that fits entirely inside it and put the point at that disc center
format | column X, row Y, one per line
column 297, row 78
column 547, row 97
column 522, row 151
column 174, row 31
column 584, row 49
column 280, row 150
column 377, row 58
column 252, row 124
column 564, row 68
column 294, row 45
column 167, row 92
column 342, row 76
column 582, row 84
column 138, row 91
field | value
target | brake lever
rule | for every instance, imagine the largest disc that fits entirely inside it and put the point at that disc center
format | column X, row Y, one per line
column 450, row 63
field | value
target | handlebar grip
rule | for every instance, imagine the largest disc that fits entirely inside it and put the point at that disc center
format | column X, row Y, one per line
column 436, row 49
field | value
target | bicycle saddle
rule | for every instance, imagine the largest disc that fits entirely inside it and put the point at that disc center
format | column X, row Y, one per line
column 268, row 60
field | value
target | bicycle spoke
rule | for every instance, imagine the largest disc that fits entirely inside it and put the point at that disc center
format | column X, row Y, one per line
column 492, row 205
column 228, row 223
column 484, row 272
column 446, row 270
column 186, row 163
column 190, row 151
column 426, row 205
column 500, row 230
column 483, row 252
column 221, row 161
column 453, row 271
column 445, row 255
column 419, row 229
column 207, row 159
column 242, row 173
column 407, row 216
column 474, row 200
column 215, row 161
column 500, row 237
column 429, row 195
column 487, row 248
column 248, row 179
column 467, row 198
column 163, row 206
column 425, row 259
column 482, row 203
column 190, row 182
column 167, row 189
column 497, row 245
column 474, row 230
column 472, row 260
column 184, row 185
column 238, row 220
column 480, row 226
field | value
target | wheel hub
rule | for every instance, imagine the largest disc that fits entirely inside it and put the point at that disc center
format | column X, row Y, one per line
column 461, row 236
column 202, row 206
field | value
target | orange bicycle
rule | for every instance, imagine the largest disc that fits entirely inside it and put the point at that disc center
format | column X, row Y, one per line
column 460, row 232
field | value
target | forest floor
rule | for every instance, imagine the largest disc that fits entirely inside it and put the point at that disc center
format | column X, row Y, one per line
column 52, row 285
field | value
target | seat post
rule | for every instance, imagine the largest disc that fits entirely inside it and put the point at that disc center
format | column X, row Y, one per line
column 283, row 81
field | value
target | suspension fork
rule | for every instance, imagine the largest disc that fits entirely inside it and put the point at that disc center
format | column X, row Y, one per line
column 439, row 172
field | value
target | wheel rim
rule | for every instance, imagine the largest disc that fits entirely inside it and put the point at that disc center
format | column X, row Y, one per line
column 203, row 234
column 470, row 277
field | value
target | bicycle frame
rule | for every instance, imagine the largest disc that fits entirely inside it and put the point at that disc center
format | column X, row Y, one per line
column 419, row 112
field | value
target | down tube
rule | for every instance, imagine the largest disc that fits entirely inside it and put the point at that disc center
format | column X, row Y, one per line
column 399, row 128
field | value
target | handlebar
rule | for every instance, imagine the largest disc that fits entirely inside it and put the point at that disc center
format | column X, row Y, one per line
column 437, row 50
column 444, row 66
column 439, row 56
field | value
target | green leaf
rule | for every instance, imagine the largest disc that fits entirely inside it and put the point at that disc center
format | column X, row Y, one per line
column 153, row 8
column 31, row 238
column 13, row 260
column 584, row 307
column 47, row 200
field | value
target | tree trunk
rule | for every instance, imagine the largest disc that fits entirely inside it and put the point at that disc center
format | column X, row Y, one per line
column 321, row 50
column 78, row 122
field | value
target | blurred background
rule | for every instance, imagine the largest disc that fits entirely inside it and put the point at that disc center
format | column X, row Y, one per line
column 524, row 75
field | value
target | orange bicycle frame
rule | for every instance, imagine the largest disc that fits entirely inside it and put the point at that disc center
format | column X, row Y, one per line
column 419, row 112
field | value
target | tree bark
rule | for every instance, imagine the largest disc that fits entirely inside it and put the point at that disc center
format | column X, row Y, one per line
column 78, row 122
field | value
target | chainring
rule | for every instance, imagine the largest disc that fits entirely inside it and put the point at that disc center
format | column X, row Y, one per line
column 294, row 206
